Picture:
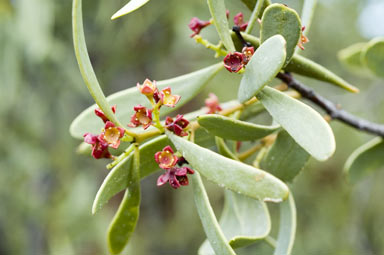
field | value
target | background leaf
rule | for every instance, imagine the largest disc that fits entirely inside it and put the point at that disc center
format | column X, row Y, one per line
column 373, row 56
column 306, row 126
column 131, row 6
column 265, row 63
column 351, row 57
column 365, row 160
column 231, row 174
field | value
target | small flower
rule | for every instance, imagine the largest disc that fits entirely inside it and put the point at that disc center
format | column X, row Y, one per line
column 148, row 88
column 99, row 147
column 177, row 126
column 175, row 176
column 239, row 21
column 142, row 116
column 167, row 98
column 303, row 39
column 112, row 134
column 233, row 62
column 196, row 25
column 165, row 158
column 248, row 53
column 101, row 114
column 227, row 13
column 212, row 102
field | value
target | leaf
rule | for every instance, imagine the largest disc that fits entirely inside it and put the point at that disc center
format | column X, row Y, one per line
column 118, row 178
column 365, row 159
column 208, row 218
column 187, row 86
column 125, row 220
column 280, row 19
column 218, row 13
column 265, row 63
column 231, row 174
column 307, row 67
column 131, row 6
column 233, row 129
column 351, row 57
column 287, row 229
column 223, row 148
column 243, row 221
column 285, row 159
column 373, row 56
column 85, row 65
column 306, row 126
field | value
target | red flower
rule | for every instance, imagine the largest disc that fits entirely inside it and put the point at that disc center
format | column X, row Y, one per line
column 112, row 135
column 167, row 98
column 148, row 88
column 248, row 53
column 239, row 21
column 177, row 126
column 142, row 116
column 101, row 114
column 196, row 25
column 175, row 176
column 165, row 158
column 99, row 147
column 233, row 62
column 303, row 39
column 212, row 102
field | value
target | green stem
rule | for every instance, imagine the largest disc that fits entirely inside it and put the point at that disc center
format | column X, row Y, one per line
column 217, row 48
column 255, row 15
column 121, row 157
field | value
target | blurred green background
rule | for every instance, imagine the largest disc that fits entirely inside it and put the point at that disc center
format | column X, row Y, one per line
column 46, row 189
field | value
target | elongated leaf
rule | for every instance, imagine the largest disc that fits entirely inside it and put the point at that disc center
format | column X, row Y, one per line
column 187, row 86
column 84, row 62
column 365, row 159
column 307, row 67
column 231, row 174
column 118, row 179
column 287, row 228
column 285, row 159
column 208, row 218
column 217, row 9
column 233, row 129
column 280, row 19
column 306, row 126
column 243, row 221
column 352, row 56
column 223, row 148
column 131, row 6
column 125, row 220
column 373, row 56
column 265, row 63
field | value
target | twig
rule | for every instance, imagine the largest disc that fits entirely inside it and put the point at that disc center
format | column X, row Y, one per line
column 334, row 111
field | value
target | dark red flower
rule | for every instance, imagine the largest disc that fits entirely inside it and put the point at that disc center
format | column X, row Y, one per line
column 248, row 53
column 239, row 21
column 176, row 177
column 233, row 62
column 142, row 116
column 101, row 114
column 165, row 158
column 178, row 125
column 196, row 25
column 99, row 147
column 112, row 135
column 212, row 103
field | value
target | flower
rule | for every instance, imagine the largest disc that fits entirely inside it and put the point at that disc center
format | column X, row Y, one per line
column 248, row 53
column 167, row 98
column 142, row 116
column 175, row 176
column 112, row 134
column 303, row 39
column 148, row 88
column 212, row 102
column 233, row 62
column 239, row 21
column 99, row 147
column 177, row 126
column 165, row 158
column 196, row 25
column 101, row 114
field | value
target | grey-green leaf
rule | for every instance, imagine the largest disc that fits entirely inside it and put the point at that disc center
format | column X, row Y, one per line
column 208, row 218
column 285, row 159
column 231, row 174
column 233, row 129
column 218, row 12
column 187, row 86
column 244, row 221
column 118, row 178
column 306, row 126
column 287, row 228
column 365, row 159
column 131, row 6
column 280, row 19
column 125, row 220
column 84, row 62
column 373, row 56
column 351, row 57
column 265, row 63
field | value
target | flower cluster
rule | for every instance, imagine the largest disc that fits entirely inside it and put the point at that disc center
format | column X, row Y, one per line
column 175, row 175
column 109, row 137
column 303, row 39
column 234, row 62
